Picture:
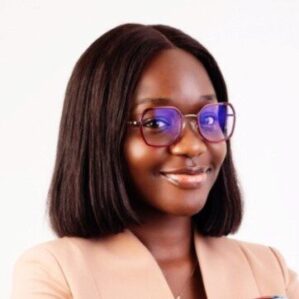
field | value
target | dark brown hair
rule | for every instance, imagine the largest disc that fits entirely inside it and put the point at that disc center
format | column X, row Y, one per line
column 88, row 193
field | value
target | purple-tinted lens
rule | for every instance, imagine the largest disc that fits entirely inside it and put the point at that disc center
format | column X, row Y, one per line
column 216, row 121
column 161, row 126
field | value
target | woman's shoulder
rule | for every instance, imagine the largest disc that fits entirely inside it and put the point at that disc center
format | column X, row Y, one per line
column 50, row 268
column 38, row 268
column 49, row 252
column 264, row 260
column 255, row 253
column 251, row 249
column 58, row 250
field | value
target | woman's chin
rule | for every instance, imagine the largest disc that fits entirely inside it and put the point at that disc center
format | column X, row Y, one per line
column 188, row 208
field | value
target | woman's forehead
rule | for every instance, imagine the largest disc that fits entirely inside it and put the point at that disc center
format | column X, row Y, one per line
column 174, row 75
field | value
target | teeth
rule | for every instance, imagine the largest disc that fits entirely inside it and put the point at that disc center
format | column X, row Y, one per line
column 196, row 178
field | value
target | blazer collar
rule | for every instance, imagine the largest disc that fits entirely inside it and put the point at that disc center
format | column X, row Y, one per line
column 225, row 271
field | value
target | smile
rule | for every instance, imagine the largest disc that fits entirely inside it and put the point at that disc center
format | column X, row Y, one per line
column 186, row 181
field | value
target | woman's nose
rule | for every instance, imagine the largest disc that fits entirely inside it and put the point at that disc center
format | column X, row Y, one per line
column 190, row 143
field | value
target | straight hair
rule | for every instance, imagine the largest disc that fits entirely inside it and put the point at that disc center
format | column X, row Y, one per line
column 88, row 195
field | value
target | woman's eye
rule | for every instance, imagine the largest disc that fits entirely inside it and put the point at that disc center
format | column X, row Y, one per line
column 155, row 123
column 208, row 120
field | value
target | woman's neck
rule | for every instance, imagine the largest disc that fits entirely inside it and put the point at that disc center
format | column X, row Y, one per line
column 169, row 238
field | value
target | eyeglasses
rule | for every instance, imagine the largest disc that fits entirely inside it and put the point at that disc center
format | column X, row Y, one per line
column 163, row 126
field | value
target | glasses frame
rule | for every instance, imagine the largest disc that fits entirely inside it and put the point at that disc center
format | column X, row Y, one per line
column 138, row 123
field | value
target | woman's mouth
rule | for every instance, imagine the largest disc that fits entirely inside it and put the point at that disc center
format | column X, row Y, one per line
column 187, row 180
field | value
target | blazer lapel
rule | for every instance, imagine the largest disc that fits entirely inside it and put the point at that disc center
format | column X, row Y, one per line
column 225, row 270
column 126, row 269
column 136, row 274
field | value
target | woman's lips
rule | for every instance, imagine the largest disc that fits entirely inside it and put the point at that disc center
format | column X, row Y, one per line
column 186, row 181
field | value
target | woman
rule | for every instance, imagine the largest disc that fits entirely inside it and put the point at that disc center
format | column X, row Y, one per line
column 144, row 190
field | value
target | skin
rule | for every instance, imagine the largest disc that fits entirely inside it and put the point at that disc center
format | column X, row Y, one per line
column 165, row 209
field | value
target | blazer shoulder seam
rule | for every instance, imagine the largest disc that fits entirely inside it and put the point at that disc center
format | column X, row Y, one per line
column 240, row 245
column 277, row 258
column 59, row 267
column 79, row 248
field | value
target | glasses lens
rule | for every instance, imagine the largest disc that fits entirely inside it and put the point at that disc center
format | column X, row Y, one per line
column 216, row 122
column 161, row 126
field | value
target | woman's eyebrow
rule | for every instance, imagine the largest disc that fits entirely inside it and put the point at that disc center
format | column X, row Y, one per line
column 153, row 101
column 166, row 101
column 209, row 97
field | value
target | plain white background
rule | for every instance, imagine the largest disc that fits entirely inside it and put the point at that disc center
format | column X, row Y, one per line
column 256, row 44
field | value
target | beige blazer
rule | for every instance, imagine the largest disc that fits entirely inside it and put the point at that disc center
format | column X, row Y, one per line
column 121, row 267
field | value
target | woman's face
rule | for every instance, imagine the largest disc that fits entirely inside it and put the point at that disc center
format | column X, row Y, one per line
column 180, row 78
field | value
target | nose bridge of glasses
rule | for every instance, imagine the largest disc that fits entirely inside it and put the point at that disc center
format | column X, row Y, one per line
column 192, row 120
column 191, row 142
